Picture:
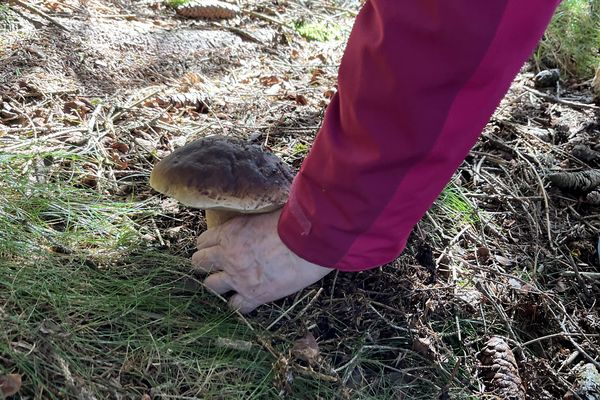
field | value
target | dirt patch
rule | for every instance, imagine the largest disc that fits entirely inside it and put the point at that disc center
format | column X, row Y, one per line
column 99, row 57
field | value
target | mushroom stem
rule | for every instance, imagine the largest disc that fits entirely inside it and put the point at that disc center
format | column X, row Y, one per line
column 219, row 217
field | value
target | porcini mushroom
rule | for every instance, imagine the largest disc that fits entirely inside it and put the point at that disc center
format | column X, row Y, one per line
column 224, row 176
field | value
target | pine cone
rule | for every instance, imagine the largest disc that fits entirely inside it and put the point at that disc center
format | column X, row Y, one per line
column 197, row 100
column 208, row 9
column 498, row 368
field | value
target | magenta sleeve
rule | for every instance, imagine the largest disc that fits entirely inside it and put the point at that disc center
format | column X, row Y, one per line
column 417, row 84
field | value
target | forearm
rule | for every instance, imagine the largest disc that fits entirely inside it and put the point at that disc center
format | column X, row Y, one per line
column 417, row 84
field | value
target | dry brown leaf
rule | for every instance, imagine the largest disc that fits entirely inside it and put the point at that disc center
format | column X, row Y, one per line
column 316, row 75
column 77, row 107
column 483, row 254
column 306, row 349
column 120, row 147
column 505, row 262
column 300, row 99
column 425, row 347
column 329, row 93
column 10, row 384
column 269, row 80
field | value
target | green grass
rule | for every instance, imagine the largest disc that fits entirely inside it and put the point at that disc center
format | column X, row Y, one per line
column 300, row 149
column 318, row 31
column 176, row 3
column 572, row 41
column 455, row 205
column 87, row 305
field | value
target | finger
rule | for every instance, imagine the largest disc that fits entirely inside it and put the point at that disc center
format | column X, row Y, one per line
column 239, row 303
column 218, row 283
column 207, row 260
column 208, row 238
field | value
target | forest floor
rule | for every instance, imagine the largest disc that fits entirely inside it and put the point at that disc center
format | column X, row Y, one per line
column 97, row 298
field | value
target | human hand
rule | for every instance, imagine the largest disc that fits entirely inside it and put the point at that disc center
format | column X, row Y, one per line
column 246, row 255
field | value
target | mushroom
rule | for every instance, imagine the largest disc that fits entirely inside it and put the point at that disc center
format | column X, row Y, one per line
column 225, row 176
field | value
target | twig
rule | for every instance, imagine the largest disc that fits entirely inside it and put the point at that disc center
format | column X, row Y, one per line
column 568, row 361
column 555, row 99
column 337, row 271
column 500, row 310
column 123, row 110
column 390, row 323
column 455, row 291
column 315, row 297
column 577, row 346
column 559, row 334
column 580, row 280
column 545, row 197
column 314, row 374
column 266, row 18
column 286, row 312
column 39, row 12
column 591, row 275
column 243, row 34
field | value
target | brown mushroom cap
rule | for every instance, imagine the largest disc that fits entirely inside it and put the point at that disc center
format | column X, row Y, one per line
column 223, row 173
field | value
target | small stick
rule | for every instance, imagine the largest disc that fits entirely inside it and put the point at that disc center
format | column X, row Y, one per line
column 569, row 360
column 545, row 196
column 559, row 334
column 266, row 18
column 591, row 275
column 555, row 99
column 301, row 313
column 123, row 110
column 39, row 12
column 286, row 312
column 337, row 271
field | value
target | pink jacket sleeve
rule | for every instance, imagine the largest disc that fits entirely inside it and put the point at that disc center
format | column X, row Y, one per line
column 417, row 84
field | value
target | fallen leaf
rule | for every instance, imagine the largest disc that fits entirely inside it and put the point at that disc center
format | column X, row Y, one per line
column 425, row 347
column 329, row 93
column 506, row 262
column 300, row 99
column 515, row 284
column 269, row 80
column 10, row 384
column 76, row 107
column 273, row 90
column 306, row 349
column 120, row 147
column 483, row 254
column 470, row 296
column 316, row 74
